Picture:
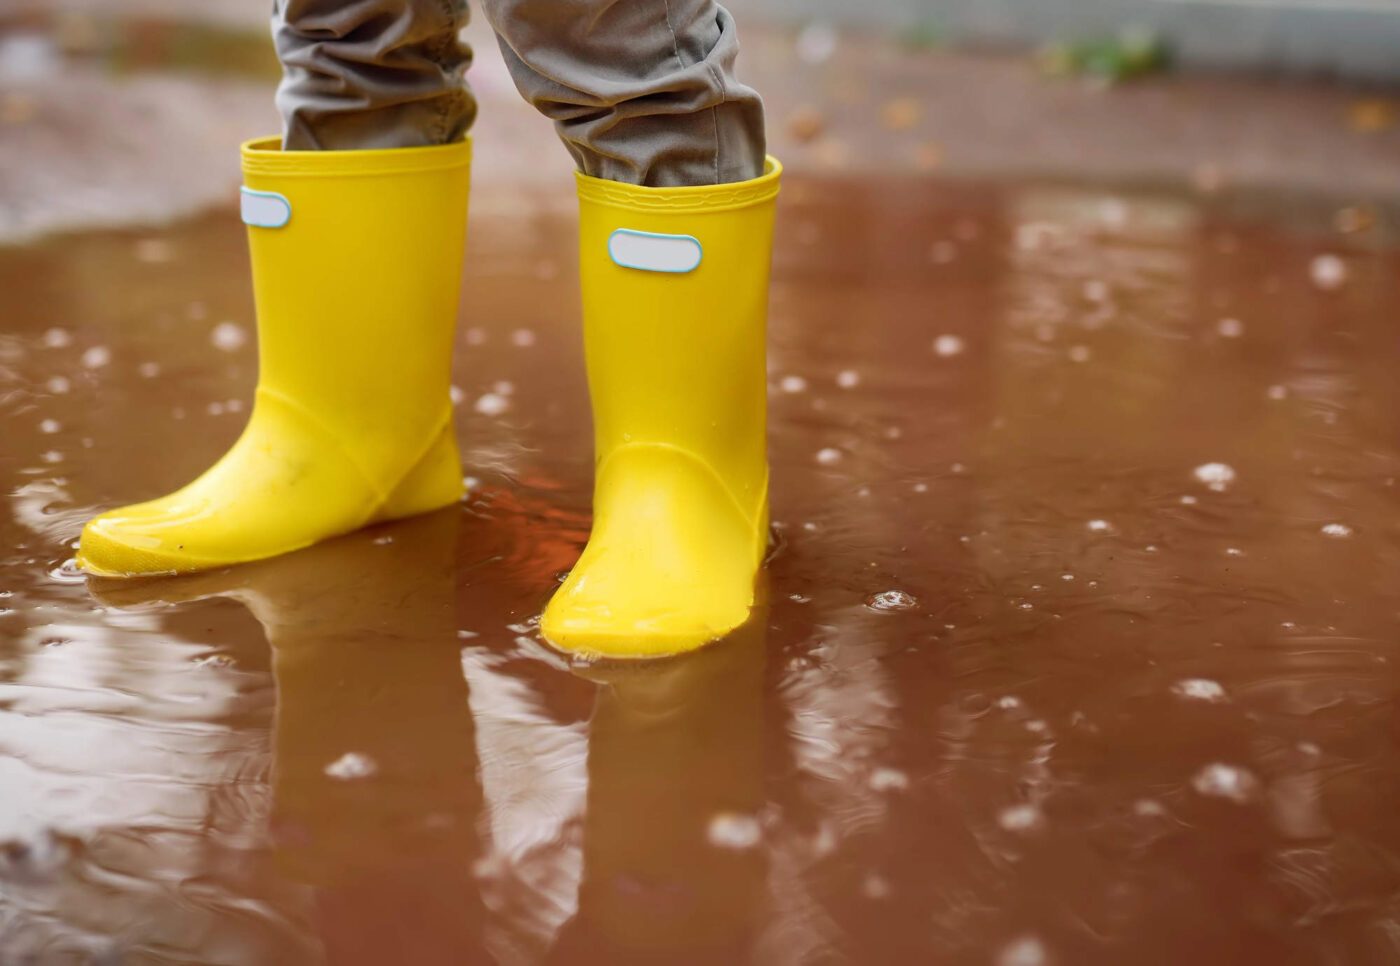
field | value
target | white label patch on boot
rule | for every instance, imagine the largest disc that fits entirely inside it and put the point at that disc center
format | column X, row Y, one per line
column 264, row 209
column 650, row 252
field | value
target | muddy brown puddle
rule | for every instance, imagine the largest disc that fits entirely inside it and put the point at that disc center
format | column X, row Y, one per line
column 1078, row 644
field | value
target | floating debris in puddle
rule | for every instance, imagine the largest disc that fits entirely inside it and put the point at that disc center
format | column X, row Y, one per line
column 351, row 766
column 891, row 600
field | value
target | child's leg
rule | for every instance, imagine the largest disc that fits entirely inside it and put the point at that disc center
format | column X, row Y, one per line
column 372, row 73
column 641, row 91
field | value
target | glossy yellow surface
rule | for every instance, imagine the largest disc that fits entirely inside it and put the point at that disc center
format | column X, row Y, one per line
column 356, row 300
column 676, row 371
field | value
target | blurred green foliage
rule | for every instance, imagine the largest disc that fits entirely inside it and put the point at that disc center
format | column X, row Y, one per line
column 1132, row 53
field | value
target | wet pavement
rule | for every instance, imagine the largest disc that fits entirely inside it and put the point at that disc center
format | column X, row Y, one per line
column 1077, row 646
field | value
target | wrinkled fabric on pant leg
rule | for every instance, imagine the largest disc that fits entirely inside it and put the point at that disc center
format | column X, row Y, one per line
column 371, row 73
column 640, row 91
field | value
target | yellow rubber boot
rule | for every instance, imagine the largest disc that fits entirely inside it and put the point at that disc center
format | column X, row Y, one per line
column 675, row 293
column 356, row 271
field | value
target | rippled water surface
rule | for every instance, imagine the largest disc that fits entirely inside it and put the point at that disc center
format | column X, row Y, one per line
column 1078, row 645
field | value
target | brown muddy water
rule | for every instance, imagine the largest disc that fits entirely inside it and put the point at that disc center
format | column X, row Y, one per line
column 1079, row 643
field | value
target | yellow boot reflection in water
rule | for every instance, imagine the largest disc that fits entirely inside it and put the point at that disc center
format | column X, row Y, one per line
column 375, row 794
column 674, row 868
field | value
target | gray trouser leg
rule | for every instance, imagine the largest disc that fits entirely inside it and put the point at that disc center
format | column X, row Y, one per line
column 371, row 73
column 640, row 91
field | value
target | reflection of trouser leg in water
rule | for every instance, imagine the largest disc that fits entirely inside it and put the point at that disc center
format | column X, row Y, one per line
column 356, row 224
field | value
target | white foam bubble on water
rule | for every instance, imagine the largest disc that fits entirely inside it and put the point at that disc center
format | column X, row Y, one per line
column 1217, row 476
column 875, row 887
column 58, row 385
column 1199, row 689
column 1079, row 353
column 522, row 338
column 1230, row 782
column 848, row 379
column 1337, row 530
column 1328, row 272
column 1230, row 328
column 1020, row 818
column 492, row 404
column 228, row 336
column 829, row 456
column 1025, row 951
column 352, row 766
column 148, row 370
column 792, row 384
column 50, row 426
column 1099, row 526
column 732, row 830
column 97, row 357
column 1277, row 392
column 888, row 780
column 948, row 345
